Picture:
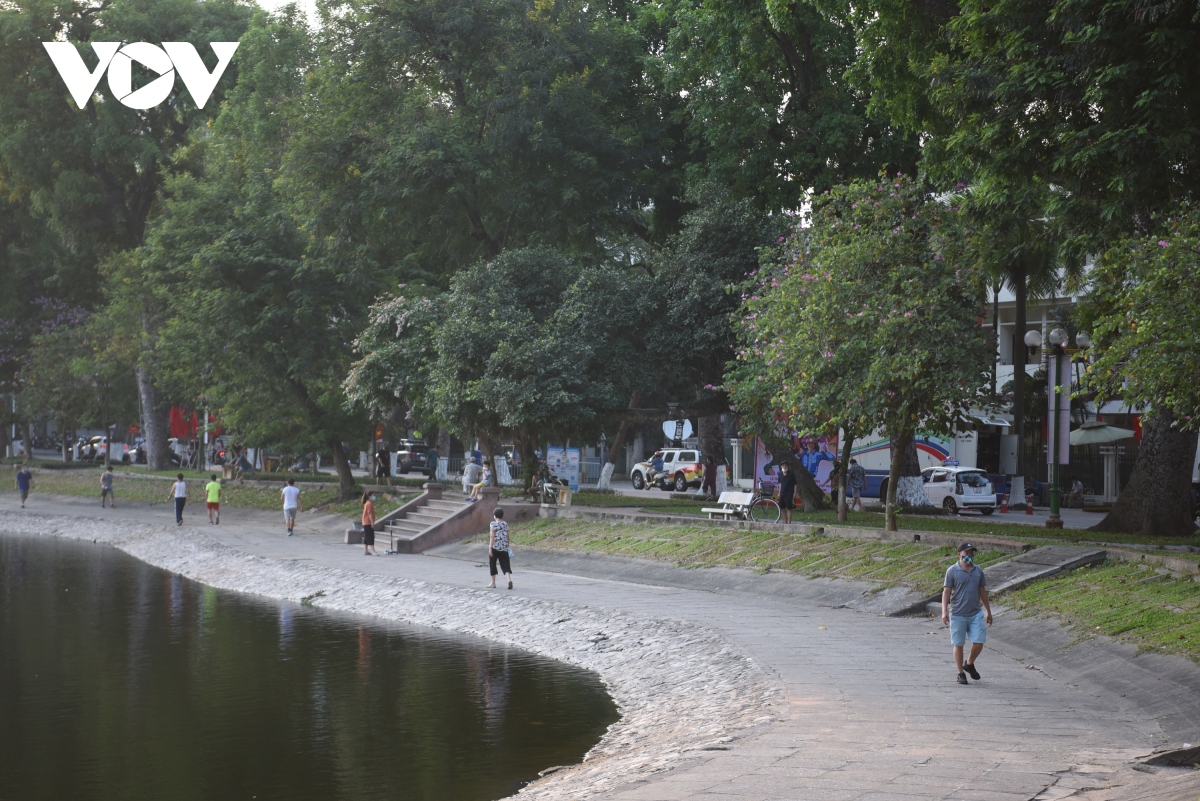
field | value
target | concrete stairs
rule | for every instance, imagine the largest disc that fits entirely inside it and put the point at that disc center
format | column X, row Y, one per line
column 430, row 520
column 407, row 527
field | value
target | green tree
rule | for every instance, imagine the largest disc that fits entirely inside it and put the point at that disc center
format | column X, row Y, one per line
column 1097, row 99
column 255, row 325
column 766, row 109
column 94, row 174
column 870, row 318
column 544, row 365
column 437, row 133
column 1144, row 315
column 696, row 272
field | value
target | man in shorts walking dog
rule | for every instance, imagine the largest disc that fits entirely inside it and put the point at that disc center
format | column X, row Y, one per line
column 964, row 602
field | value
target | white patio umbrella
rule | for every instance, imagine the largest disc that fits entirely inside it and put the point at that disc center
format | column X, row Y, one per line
column 1094, row 432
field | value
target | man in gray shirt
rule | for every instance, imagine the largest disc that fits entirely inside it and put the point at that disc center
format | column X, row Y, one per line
column 964, row 599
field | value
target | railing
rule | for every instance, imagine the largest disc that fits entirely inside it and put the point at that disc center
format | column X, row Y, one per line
column 589, row 471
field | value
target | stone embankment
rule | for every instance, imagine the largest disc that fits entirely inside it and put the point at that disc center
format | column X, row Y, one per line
column 681, row 688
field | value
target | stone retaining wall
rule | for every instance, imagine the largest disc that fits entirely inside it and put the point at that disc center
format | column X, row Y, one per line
column 679, row 687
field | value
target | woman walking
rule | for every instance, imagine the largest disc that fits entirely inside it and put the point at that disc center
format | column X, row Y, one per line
column 368, row 524
column 498, row 549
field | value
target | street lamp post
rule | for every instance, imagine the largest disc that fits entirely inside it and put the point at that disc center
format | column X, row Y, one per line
column 1058, row 377
column 1056, row 337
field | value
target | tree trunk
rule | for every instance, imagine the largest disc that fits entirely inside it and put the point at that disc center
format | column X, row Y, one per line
column 618, row 442
column 910, row 490
column 345, row 477
column 843, row 469
column 1158, row 498
column 781, row 450
column 63, row 442
column 157, row 422
column 27, row 443
column 895, row 469
column 1018, row 279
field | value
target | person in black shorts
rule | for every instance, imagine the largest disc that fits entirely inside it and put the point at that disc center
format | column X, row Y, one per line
column 383, row 464
column 787, row 491
column 498, row 546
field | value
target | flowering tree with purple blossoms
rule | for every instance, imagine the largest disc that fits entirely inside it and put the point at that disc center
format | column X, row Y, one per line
column 868, row 318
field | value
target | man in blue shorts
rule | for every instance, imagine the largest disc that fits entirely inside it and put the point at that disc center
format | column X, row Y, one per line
column 964, row 601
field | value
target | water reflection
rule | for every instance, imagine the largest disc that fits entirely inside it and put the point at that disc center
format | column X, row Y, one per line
column 121, row 681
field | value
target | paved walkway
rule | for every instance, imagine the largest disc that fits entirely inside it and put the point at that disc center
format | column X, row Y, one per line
column 871, row 710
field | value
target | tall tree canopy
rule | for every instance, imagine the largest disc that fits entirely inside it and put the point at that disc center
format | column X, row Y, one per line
column 869, row 318
column 435, row 133
column 766, row 106
column 93, row 176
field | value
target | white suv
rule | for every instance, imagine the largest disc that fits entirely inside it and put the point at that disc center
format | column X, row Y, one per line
column 955, row 488
column 682, row 467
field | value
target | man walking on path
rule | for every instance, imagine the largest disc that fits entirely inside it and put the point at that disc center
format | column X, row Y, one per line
column 24, row 483
column 213, row 500
column 179, row 493
column 431, row 461
column 383, row 464
column 106, row 488
column 963, row 595
column 291, row 504
column 856, row 482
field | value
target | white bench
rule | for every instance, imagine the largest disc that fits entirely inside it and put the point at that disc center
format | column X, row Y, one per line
column 733, row 504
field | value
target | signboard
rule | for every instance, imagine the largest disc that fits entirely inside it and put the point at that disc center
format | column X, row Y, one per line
column 564, row 463
column 815, row 454
column 1060, row 365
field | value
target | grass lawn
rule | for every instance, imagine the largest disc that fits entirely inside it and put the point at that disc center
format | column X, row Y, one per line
column 1131, row 602
column 86, row 483
column 975, row 526
column 921, row 567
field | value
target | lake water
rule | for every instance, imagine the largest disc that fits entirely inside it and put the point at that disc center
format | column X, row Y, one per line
column 122, row 681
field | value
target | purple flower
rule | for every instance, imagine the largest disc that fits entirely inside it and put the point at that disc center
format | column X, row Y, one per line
column 1162, row 243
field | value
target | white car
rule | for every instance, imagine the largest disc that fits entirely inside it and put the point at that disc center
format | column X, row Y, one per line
column 956, row 488
column 682, row 467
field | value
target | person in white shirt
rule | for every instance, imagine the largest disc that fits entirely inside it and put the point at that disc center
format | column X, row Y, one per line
column 179, row 493
column 291, row 504
column 471, row 475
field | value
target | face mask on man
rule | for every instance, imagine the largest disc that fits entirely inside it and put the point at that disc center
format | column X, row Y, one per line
column 968, row 559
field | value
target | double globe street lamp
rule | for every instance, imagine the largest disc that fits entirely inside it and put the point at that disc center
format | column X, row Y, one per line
column 1058, row 430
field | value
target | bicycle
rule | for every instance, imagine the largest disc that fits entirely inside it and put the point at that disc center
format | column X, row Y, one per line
column 763, row 509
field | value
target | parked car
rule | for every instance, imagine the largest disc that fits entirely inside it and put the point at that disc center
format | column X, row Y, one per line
column 121, row 451
column 412, row 454
column 681, row 469
column 956, row 488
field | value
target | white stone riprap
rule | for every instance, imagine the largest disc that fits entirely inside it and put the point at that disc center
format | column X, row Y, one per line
column 679, row 687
